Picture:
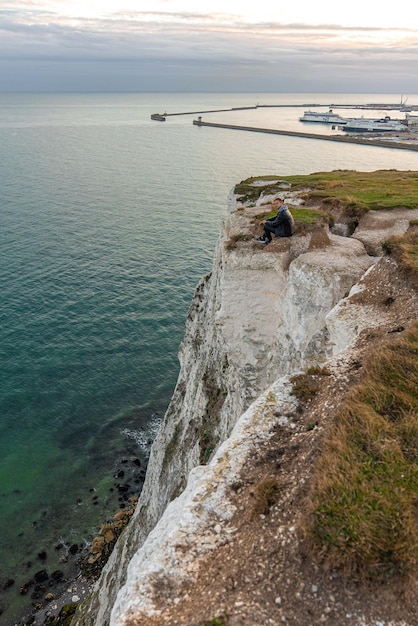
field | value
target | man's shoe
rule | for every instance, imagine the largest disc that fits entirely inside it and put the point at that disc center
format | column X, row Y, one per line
column 261, row 240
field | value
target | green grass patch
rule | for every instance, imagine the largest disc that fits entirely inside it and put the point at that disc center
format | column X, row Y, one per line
column 364, row 506
column 250, row 188
column 356, row 191
column 309, row 216
column 303, row 216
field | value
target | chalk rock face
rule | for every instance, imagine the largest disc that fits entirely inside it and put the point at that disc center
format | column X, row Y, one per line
column 382, row 298
column 260, row 315
column 196, row 522
column 376, row 227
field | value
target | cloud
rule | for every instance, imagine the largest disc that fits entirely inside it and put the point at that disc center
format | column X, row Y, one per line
column 151, row 50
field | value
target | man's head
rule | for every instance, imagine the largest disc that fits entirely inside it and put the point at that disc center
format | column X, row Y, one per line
column 277, row 202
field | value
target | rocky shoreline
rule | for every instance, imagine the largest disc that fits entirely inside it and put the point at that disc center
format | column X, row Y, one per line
column 54, row 595
column 59, row 609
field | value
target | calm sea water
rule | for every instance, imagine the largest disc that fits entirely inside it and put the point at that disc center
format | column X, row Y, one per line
column 108, row 220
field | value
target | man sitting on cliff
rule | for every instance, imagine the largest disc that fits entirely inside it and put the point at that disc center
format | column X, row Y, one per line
column 282, row 225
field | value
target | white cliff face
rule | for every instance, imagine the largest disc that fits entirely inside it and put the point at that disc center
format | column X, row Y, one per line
column 260, row 315
column 196, row 522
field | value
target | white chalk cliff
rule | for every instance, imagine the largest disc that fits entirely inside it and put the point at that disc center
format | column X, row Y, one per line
column 262, row 314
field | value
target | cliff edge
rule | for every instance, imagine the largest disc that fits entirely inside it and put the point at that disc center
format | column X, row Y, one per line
column 203, row 545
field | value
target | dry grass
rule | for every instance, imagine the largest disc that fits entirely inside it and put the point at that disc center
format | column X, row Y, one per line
column 232, row 242
column 364, row 505
column 265, row 493
column 405, row 250
column 305, row 386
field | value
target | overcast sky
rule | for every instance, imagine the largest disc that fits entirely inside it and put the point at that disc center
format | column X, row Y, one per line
column 209, row 45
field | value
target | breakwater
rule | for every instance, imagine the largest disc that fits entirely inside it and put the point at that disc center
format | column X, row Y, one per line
column 161, row 116
column 376, row 141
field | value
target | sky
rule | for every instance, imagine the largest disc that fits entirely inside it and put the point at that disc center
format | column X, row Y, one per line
column 299, row 46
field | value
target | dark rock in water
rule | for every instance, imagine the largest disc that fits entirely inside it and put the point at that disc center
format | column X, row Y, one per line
column 120, row 474
column 29, row 564
column 42, row 555
column 25, row 587
column 123, row 488
column 57, row 574
column 137, row 462
column 30, row 619
column 9, row 583
column 41, row 576
column 73, row 549
column 59, row 546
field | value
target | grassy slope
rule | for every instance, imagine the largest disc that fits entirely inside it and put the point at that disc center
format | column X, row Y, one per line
column 365, row 501
column 358, row 191
column 364, row 506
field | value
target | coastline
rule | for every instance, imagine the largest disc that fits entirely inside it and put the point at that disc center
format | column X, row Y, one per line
column 87, row 568
column 48, row 590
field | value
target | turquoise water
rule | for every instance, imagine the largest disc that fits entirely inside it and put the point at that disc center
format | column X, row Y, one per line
column 108, row 220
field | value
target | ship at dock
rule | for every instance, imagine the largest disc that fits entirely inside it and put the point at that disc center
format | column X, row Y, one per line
column 368, row 125
column 326, row 117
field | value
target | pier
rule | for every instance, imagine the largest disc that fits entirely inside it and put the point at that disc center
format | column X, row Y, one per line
column 292, row 133
column 161, row 116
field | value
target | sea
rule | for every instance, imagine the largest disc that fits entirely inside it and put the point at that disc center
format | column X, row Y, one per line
column 108, row 219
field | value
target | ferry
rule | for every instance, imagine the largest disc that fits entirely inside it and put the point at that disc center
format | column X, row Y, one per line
column 385, row 124
column 328, row 117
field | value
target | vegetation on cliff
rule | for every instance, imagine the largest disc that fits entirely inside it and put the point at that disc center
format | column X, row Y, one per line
column 356, row 192
column 365, row 500
column 405, row 249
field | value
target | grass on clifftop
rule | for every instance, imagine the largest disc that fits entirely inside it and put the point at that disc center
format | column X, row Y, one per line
column 364, row 507
column 301, row 216
column 357, row 192
column 405, row 249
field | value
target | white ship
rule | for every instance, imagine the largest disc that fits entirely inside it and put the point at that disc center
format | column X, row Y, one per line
column 366, row 125
column 328, row 117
